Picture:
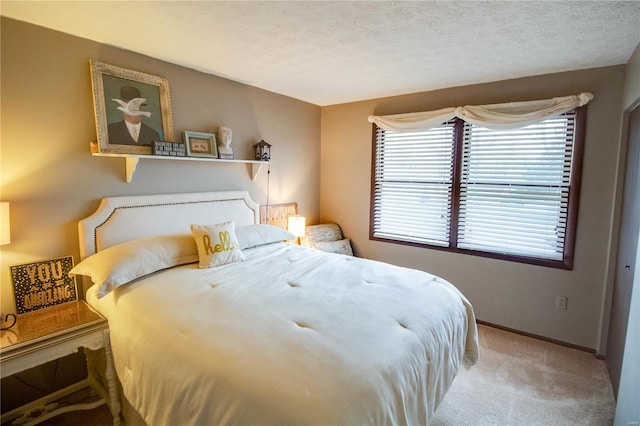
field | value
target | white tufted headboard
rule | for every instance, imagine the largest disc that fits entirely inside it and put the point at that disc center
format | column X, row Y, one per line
column 120, row 219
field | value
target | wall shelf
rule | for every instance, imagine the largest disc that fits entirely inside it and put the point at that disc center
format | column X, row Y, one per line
column 131, row 162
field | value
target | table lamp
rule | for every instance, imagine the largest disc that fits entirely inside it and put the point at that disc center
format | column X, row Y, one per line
column 5, row 226
column 296, row 225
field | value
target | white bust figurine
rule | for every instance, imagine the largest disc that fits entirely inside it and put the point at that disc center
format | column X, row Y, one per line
column 224, row 143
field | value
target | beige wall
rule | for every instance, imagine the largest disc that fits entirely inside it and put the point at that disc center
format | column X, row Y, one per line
column 47, row 122
column 52, row 181
column 510, row 294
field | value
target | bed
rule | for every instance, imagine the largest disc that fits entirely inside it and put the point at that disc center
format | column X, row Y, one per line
column 282, row 335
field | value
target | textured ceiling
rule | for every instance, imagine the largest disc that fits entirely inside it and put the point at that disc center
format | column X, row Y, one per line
column 335, row 52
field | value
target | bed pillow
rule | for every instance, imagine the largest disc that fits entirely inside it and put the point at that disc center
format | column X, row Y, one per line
column 217, row 244
column 122, row 263
column 260, row 234
column 339, row 247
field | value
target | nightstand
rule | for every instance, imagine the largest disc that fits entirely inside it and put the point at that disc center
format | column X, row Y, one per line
column 51, row 333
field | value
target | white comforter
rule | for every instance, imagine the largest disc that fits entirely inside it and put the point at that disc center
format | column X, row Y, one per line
column 290, row 336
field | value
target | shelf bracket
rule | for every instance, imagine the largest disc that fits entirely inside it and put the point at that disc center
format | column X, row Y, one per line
column 255, row 169
column 131, row 164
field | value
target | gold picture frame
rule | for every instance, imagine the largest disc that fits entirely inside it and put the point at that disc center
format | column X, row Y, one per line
column 121, row 95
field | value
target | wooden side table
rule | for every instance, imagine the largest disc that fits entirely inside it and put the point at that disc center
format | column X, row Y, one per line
column 51, row 333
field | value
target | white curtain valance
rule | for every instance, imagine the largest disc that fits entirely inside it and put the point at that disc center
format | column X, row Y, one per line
column 510, row 115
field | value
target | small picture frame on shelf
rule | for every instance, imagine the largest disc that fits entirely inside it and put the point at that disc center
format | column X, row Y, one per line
column 200, row 144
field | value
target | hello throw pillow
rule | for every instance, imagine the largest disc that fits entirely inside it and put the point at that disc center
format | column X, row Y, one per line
column 217, row 244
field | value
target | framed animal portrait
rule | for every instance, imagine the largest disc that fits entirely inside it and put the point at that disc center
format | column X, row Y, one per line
column 201, row 144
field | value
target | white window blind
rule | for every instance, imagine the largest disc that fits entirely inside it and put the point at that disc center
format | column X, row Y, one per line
column 458, row 186
column 413, row 185
column 514, row 191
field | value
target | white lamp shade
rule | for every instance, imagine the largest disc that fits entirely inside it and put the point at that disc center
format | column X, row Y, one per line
column 5, row 226
column 296, row 225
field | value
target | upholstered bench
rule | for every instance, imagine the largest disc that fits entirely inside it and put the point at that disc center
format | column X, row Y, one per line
column 328, row 237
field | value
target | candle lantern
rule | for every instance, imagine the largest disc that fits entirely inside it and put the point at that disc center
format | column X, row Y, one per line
column 263, row 151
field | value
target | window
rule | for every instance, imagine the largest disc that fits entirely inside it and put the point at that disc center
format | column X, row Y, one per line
column 508, row 194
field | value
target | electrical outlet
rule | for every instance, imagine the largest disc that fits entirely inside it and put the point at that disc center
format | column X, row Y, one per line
column 561, row 302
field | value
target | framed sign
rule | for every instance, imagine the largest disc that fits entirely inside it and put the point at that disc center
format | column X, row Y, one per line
column 132, row 109
column 169, row 149
column 201, row 144
column 42, row 284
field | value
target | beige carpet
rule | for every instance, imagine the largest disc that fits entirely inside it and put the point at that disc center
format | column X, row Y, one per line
column 524, row 381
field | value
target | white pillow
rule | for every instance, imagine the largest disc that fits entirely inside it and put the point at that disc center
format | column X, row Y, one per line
column 122, row 263
column 217, row 244
column 260, row 234
column 339, row 247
